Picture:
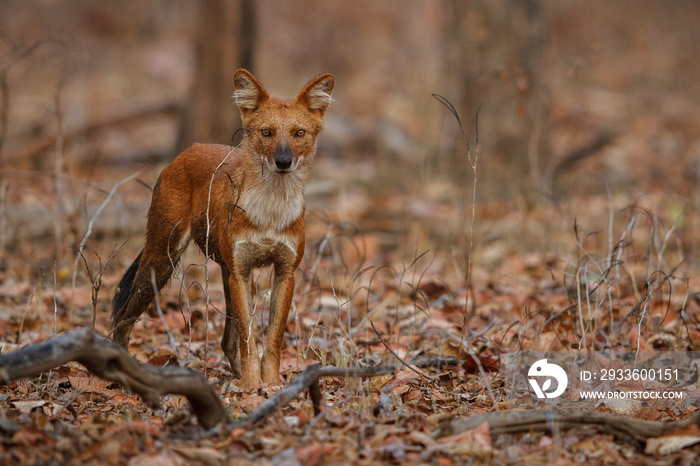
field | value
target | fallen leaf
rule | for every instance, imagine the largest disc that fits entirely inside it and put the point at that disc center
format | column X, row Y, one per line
column 25, row 407
column 376, row 383
column 93, row 385
column 125, row 400
column 310, row 455
column 51, row 409
column 475, row 443
column 30, row 436
column 292, row 364
column 666, row 445
column 201, row 455
column 175, row 401
column 488, row 364
column 166, row 458
column 481, row 434
column 624, row 406
column 250, row 403
column 674, row 441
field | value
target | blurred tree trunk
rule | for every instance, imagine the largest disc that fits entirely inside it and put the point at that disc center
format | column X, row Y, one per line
column 494, row 50
column 225, row 42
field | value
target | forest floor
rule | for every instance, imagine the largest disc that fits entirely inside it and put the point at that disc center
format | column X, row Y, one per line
column 413, row 259
column 371, row 291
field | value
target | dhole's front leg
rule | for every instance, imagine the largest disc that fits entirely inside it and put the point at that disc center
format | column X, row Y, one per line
column 280, row 302
column 229, row 341
column 239, row 329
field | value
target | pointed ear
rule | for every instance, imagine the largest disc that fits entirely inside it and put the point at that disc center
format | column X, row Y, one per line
column 249, row 93
column 316, row 95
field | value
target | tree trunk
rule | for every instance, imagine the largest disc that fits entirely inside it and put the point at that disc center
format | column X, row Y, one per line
column 225, row 42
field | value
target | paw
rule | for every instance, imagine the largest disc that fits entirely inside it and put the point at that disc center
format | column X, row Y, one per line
column 271, row 371
column 268, row 391
column 272, row 379
column 250, row 384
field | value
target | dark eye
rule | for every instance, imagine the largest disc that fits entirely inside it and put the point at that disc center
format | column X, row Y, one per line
column 266, row 132
column 300, row 133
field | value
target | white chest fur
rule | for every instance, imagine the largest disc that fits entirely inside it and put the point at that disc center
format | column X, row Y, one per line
column 275, row 202
column 271, row 204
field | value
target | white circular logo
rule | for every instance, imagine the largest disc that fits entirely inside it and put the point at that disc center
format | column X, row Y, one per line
column 551, row 371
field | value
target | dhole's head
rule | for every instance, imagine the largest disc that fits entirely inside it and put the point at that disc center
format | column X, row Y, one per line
column 282, row 131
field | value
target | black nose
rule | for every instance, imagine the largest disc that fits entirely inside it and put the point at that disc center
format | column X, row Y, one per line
column 283, row 161
column 283, row 157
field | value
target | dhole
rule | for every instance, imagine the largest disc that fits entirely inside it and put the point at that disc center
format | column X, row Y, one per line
column 243, row 207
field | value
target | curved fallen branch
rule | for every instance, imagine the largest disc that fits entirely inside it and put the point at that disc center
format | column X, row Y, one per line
column 635, row 431
column 307, row 379
column 112, row 362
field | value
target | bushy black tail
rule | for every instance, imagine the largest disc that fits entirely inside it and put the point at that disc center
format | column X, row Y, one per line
column 124, row 288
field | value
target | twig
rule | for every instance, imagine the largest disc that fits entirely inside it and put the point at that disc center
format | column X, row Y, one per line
column 437, row 360
column 96, row 280
column 473, row 163
column 171, row 339
column 307, row 379
column 591, row 148
column 55, row 303
column 24, row 315
column 397, row 356
column 58, row 208
column 5, row 109
column 183, row 287
column 3, row 213
column 209, row 221
column 91, row 223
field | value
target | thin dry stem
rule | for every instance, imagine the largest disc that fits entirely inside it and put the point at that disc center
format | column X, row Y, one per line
column 58, row 179
column 91, row 223
column 181, row 280
column 206, row 257
column 171, row 339
column 473, row 163
column 24, row 314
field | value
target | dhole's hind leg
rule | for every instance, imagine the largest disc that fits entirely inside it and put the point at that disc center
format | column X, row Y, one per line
column 158, row 258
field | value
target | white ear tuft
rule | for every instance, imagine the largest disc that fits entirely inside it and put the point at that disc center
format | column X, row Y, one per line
column 317, row 92
column 318, row 99
column 246, row 98
column 249, row 92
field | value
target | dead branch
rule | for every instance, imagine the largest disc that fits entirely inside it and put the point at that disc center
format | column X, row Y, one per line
column 109, row 361
column 128, row 117
column 439, row 361
column 307, row 379
column 635, row 431
column 17, row 53
column 591, row 148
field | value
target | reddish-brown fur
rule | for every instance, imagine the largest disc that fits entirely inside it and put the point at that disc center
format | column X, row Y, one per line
column 245, row 208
